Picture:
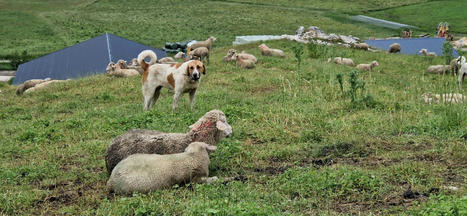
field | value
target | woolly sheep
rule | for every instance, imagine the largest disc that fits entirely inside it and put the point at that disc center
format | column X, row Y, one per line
column 340, row 60
column 183, row 56
column 166, row 60
column 135, row 65
column 29, row 84
column 266, row 51
column 363, row 46
column 210, row 128
column 426, row 53
column 200, row 53
column 207, row 43
column 121, row 69
column 367, row 67
column 43, row 85
column 245, row 56
column 394, row 48
column 438, row 69
column 230, row 55
column 453, row 98
column 462, row 71
column 150, row 172
column 245, row 63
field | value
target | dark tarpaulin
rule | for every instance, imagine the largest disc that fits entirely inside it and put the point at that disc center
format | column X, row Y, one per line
column 413, row 46
column 83, row 59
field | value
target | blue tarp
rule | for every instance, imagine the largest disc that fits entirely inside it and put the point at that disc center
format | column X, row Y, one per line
column 413, row 45
column 83, row 59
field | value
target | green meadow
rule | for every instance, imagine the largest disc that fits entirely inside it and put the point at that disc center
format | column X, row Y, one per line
column 319, row 139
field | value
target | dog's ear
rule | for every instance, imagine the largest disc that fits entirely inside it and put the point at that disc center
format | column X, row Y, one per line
column 188, row 70
column 204, row 69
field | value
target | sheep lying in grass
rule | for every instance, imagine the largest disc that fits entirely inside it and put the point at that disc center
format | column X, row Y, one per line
column 244, row 63
column 200, row 53
column 136, row 66
column 183, row 56
column 245, row 56
column 210, row 128
column 344, row 61
column 367, row 67
column 394, row 48
column 453, row 98
column 230, row 55
column 150, row 172
column 43, row 85
column 166, row 60
column 207, row 43
column 438, row 69
column 266, row 51
column 426, row 53
column 29, row 84
column 121, row 69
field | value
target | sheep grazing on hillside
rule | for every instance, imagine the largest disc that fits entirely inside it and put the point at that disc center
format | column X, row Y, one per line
column 453, row 98
column 200, row 53
column 230, row 55
column 121, row 69
column 166, row 60
column 368, row 67
column 362, row 46
column 210, row 128
column 394, row 48
column 426, row 53
column 207, row 43
column 245, row 63
column 183, row 56
column 29, row 84
column 43, row 85
column 266, row 51
column 438, row 69
column 150, row 172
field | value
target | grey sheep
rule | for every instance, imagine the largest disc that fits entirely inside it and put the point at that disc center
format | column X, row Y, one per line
column 150, row 172
column 207, row 43
column 29, row 84
column 200, row 53
column 438, row 69
column 210, row 128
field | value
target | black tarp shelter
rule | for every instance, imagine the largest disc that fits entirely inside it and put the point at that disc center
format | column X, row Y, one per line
column 86, row 58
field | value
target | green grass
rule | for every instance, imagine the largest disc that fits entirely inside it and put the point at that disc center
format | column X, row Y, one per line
column 299, row 145
column 428, row 15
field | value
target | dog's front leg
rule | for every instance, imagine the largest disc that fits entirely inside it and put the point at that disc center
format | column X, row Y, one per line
column 176, row 97
column 192, row 99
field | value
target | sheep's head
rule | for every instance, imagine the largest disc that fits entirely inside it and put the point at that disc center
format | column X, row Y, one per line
column 231, row 52
column 110, row 67
column 134, row 62
column 179, row 55
column 212, row 38
column 374, row 63
column 263, row 46
column 199, row 146
column 213, row 125
column 422, row 51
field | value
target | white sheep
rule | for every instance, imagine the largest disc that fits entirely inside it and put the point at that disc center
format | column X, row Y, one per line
column 344, row 61
column 121, row 69
column 394, row 48
column 150, row 172
column 462, row 71
column 362, row 46
column 438, row 69
column 200, row 53
column 245, row 56
column 29, row 84
column 266, row 51
column 207, row 43
column 166, row 60
column 183, row 56
column 426, row 53
column 230, row 55
column 210, row 128
column 453, row 98
column 245, row 63
column 43, row 85
column 368, row 67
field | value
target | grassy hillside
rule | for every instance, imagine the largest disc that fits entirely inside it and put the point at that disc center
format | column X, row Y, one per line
column 452, row 12
column 300, row 145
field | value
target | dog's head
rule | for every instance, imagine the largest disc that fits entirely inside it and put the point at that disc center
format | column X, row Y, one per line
column 194, row 69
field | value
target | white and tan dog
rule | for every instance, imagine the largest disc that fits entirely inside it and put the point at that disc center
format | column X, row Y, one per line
column 181, row 77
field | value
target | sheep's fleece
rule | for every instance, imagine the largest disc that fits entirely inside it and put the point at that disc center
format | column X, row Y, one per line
column 150, row 172
column 210, row 128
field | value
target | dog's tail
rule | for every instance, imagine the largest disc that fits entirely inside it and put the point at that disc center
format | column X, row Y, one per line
column 143, row 55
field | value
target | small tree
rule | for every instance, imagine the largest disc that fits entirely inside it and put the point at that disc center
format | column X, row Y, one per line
column 298, row 51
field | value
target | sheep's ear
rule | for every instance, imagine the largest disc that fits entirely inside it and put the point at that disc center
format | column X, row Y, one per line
column 225, row 128
column 210, row 147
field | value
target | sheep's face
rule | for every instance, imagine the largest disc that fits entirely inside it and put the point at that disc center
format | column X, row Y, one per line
column 375, row 63
column 263, row 46
column 179, row 55
column 110, row 67
column 212, row 39
column 223, row 129
column 199, row 147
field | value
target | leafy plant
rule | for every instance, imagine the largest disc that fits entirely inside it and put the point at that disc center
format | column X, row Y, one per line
column 316, row 50
column 298, row 51
column 447, row 52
